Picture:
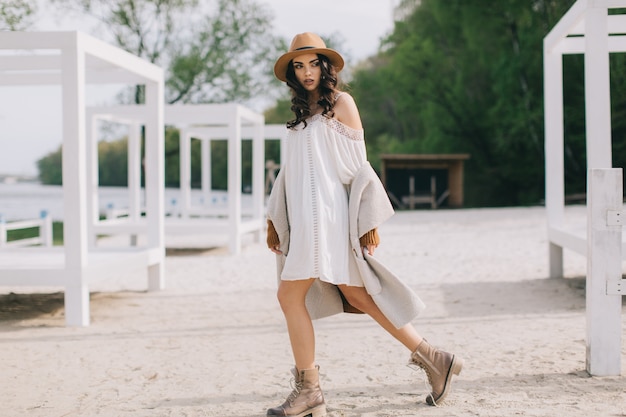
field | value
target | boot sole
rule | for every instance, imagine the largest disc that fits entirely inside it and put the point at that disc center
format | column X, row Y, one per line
column 319, row 411
column 455, row 369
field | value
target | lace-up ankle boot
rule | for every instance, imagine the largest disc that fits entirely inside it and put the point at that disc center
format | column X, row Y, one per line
column 306, row 399
column 439, row 367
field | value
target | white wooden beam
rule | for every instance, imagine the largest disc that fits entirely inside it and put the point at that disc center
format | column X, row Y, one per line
column 30, row 62
column 30, row 79
column 570, row 46
column 569, row 20
column 36, row 40
column 597, row 90
column 120, row 58
column 616, row 24
column 122, row 113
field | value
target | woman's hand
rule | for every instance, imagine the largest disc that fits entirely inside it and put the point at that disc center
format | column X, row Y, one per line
column 370, row 249
column 276, row 249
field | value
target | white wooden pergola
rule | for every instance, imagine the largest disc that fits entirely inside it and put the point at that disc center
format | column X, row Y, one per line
column 206, row 134
column 230, row 122
column 73, row 60
column 231, row 218
column 587, row 28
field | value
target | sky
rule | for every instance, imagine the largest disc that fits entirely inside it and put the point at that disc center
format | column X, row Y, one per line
column 30, row 116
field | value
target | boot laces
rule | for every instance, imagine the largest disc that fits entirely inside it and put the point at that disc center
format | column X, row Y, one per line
column 421, row 368
column 296, row 386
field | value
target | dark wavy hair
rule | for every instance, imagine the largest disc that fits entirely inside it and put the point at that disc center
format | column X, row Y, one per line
column 300, row 96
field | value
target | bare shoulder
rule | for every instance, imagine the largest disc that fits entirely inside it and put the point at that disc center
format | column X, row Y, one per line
column 347, row 112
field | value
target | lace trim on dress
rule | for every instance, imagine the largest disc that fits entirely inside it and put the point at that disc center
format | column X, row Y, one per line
column 316, row 249
column 342, row 129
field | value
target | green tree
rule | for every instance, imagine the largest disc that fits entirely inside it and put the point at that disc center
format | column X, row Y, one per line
column 50, row 168
column 217, row 52
column 17, row 14
column 466, row 76
column 113, row 162
column 112, row 165
column 280, row 112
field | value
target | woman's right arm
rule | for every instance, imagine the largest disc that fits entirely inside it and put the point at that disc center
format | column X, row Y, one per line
column 272, row 238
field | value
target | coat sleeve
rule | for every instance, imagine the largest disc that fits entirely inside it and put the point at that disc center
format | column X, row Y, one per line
column 371, row 201
column 277, row 213
column 370, row 238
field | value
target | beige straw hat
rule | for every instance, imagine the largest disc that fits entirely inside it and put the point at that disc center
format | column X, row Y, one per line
column 306, row 43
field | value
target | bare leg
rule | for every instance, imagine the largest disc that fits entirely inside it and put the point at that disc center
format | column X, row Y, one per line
column 359, row 298
column 291, row 296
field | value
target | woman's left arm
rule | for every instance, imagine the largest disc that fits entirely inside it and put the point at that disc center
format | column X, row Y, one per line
column 347, row 112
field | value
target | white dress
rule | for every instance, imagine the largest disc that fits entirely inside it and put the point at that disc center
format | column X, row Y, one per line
column 322, row 159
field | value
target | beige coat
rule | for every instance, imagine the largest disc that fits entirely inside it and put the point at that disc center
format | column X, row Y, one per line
column 368, row 208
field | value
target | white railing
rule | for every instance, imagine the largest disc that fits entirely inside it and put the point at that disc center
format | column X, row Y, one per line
column 44, row 223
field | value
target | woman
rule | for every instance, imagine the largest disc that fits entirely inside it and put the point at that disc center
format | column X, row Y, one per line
column 323, row 214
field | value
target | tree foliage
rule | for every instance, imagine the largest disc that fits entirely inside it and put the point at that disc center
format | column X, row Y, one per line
column 456, row 76
column 50, row 168
column 113, row 163
column 16, row 14
column 217, row 51
column 113, row 166
column 466, row 77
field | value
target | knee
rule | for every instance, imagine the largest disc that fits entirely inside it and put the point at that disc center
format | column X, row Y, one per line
column 288, row 298
column 282, row 295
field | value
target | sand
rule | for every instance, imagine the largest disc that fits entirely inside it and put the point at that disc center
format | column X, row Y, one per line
column 214, row 342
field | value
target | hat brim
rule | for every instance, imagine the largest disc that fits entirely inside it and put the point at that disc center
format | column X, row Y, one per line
column 280, row 68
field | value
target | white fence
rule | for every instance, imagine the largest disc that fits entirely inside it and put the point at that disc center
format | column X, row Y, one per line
column 44, row 224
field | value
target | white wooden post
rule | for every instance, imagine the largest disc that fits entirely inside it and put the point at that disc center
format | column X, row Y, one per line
column 91, row 148
column 258, row 176
column 205, row 159
column 155, row 179
column 134, row 175
column 185, row 172
column 555, row 176
column 3, row 231
column 234, row 181
column 45, row 230
column 74, row 182
column 604, row 265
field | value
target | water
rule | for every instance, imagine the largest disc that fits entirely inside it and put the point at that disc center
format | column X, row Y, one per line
column 20, row 201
